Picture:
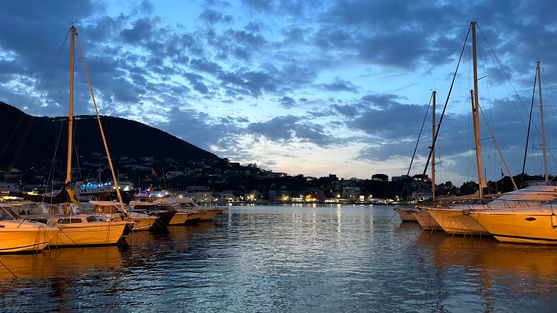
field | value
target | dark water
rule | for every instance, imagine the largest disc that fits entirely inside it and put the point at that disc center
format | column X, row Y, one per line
column 288, row 259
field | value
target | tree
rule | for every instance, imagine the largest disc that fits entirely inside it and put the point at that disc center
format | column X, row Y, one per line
column 381, row 177
column 468, row 188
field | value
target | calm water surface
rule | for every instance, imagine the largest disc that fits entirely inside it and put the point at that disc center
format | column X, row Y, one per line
column 287, row 259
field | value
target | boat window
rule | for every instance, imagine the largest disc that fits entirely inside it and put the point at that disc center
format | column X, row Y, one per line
column 92, row 219
column 95, row 218
column 70, row 220
column 6, row 215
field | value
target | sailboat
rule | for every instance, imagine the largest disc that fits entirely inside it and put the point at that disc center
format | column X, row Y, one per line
column 453, row 219
column 416, row 214
column 204, row 213
column 421, row 214
column 18, row 235
column 76, row 229
column 536, row 220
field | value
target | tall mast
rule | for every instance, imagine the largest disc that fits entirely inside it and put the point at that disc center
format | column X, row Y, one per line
column 475, row 114
column 109, row 158
column 542, row 124
column 434, row 94
column 70, row 113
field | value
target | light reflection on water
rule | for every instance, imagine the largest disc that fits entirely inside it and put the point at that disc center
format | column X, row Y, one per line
column 288, row 259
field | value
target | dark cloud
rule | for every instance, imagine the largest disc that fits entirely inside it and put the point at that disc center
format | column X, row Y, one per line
column 142, row 30
column 196, row 82
column 254, row 27
column 199, row 128
column 346, row 110
column 279, row 128
column 339, row 85
column 286, row 128
column 213, row 17
column 282, row 51
column 381, row 100
column 295, row 34
column 287, row 102
column 147, row 7
column 205, row 66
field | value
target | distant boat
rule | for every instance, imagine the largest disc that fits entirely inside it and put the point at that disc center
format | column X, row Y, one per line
column 164, row 213
column 97, row 190
column 136, row 220
column 206, row 214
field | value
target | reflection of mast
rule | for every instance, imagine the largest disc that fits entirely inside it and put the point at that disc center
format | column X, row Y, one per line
column 434, row 95
column 475, row 115
column 541, row 122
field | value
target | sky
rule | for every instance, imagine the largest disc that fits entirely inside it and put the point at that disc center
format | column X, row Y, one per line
column 301, row 87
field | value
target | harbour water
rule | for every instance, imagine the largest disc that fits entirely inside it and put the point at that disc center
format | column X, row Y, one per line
column 287, row 259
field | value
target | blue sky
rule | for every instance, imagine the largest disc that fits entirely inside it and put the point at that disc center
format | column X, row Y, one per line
column 302, row 87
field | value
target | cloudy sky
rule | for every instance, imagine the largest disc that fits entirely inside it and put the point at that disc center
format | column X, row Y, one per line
column 302, row 87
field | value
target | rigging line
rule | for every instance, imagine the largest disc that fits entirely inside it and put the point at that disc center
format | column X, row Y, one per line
column 446, row 102
column 75, row 147
column 419, row 136
column 417, row 143
column 528, row 132
column 115, row 179
column 548, row 90
column 41, row 92
column 498, row 149
column 51, row 70
column 504, row 76
column 502, row 69
column 488, row 99
column 53, row 167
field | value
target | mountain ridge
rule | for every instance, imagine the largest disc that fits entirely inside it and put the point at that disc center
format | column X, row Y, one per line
column 31, row 140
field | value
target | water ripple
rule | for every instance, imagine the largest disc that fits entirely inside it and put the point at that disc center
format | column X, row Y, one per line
column 288, row 259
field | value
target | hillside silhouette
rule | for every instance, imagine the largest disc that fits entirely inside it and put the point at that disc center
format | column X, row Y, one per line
column 29, row 141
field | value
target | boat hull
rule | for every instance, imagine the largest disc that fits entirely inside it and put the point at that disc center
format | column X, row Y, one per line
column 406, row 215
column 94, row 233
column 208, row 215
column 456, row 222
column 141, row 223
column 28, row 237
column 425, row 220
column 534, row 227
column 194, row 217
column 179, row 218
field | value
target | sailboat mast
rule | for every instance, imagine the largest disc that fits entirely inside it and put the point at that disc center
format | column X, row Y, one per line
column 475, row 114
column 70, row 113
column 434, row 94
column 542, row 124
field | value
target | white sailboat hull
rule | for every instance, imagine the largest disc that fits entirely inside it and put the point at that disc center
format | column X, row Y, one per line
column 454, row 221
column 406, row 215
column 142, row 221
column 179, row 218
column 94, row 233
column 425, row 220
column 24, row 236
column 527, row 226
